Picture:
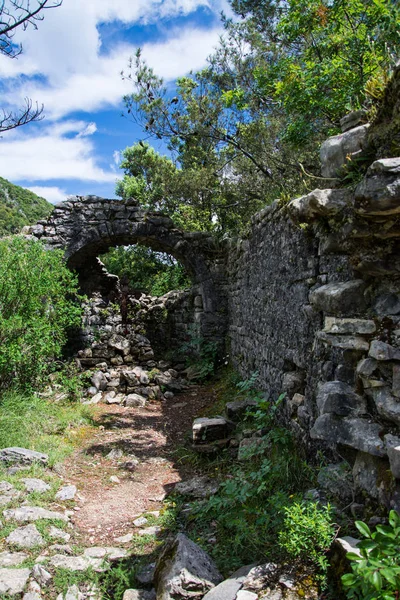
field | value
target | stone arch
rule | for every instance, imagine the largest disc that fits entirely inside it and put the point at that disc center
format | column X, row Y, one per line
column 85, row 227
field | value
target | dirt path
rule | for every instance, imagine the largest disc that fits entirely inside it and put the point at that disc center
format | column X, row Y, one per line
column 137, row 446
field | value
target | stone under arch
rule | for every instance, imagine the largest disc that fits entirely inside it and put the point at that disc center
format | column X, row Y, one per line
column 85, row 227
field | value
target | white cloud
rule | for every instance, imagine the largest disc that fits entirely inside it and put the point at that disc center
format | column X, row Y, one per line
column 52, row 194
column 90, row 129
column 50, row 155
column 117, row 157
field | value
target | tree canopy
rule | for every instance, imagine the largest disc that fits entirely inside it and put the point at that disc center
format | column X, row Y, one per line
column 246, row 129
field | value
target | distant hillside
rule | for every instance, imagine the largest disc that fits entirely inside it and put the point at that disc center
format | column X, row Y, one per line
column 19, row 207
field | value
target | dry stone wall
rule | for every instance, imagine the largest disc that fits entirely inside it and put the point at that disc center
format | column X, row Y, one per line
column 314, row 308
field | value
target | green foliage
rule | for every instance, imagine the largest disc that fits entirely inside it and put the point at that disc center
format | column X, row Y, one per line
column 19, row 207
column 247, row 511
column 36, row 309
column 154, row 273
column 199, row 354
column 245, row 129
column 28, row 421
column 308, row 533
column 376, row 571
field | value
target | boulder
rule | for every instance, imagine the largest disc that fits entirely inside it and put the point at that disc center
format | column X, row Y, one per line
column 382, row 351
column 370, row 474
column 388, row 406
column 338, row 398
column 99, row 381
column 339, row 297
column 319, row 203
column 379, row 192
column 353, row 432
column 335, row 150
column 353, row 119
column 22, row 456
column 184, row 571
column 210, row 429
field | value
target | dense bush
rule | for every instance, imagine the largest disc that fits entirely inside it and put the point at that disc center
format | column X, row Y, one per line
column 37, row 306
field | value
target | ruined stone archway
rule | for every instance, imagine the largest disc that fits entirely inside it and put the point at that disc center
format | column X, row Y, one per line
column 85, row 227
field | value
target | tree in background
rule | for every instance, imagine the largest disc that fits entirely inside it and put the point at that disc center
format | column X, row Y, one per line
column 278, row 84
column 37, row 307
column 20, row 14
column 151, row 272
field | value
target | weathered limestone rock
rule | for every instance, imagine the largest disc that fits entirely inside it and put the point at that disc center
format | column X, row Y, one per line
column 339, row 399
column 28, row 514
column 139, row 595
column 184, row 571
column 228, row 589
column 67, row 492
column 135, row 400
column 336, row 149
column 72, row 593
column 210, row 429
column 393, row 450
column 379, row 192
column 198, row 487
column 388, row 406
column 353, row 119
column 366, row 367
column 396, row 381
column 13, row 581
column 108, row 552
column 237, row 409
column 319, row 203
column 36, row 485
column 22, row 456
column 12, row 559
column 42, row 576
column 336, row 480
column 349, row 326
column 382, row 351
column 99, row 381
column 25, row 537
column 339, row 297
column 345, row 342
column 387, row 304
column 370, row 475
column 59, row 534
column 75, row 563
column 355, row 433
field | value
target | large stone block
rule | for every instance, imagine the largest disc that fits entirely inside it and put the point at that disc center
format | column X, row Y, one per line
column 207, row 430
column 184, row 571
column 379, row 192
column 353, row 432
column 388, row 406
column 339, row 399
column 320, row 203
column 339, row 298
column 336, row 149
column 393, row 450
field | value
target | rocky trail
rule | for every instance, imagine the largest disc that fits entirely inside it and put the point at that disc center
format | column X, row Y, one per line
column 129, row 466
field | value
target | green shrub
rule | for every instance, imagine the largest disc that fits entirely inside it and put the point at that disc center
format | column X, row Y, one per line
column 376, row 570
column 307, row 533
column 36, row 308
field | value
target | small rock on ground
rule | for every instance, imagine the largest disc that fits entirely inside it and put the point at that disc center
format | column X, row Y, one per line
column 72, row 593
column 13, row 581
column 25, row 537
column 12, row 559
column 66, row 493
column 27, row 514
column 139, row 595
column 58, row 534
column 36, row 485
column 154, row 530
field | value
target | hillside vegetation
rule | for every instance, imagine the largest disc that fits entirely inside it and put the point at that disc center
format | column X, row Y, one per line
column 19, row 207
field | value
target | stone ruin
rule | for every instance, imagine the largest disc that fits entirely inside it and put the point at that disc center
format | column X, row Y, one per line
column 309, row 299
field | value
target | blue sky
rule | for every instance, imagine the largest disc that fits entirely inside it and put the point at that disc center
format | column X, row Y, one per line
column 72, row 65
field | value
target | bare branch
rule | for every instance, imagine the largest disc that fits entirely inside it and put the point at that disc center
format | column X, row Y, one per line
column 11, row 120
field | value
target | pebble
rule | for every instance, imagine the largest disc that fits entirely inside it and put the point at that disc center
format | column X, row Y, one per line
column 114, row 479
